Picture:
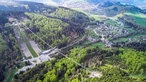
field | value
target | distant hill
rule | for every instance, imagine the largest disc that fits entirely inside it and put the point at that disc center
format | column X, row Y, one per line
column 115, row 8
column 139, row 3
column 104, row 7
column 82, row 37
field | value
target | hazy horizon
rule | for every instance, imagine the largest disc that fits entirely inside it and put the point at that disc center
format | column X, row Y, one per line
column 139, row 3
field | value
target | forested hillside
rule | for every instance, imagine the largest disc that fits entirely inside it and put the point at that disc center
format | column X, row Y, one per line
column 47, row 22
column 70, row 15
column 50, row 29
column 9, row 50
column 59, row 28
column 41, row 43
column 120, row 67
column 114, row 8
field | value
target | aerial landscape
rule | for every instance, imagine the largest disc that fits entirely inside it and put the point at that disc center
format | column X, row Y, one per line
column 73, row 41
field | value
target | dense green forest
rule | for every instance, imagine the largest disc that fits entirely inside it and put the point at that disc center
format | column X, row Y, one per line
column 9, row 50
column 118, row 65
column 57, row 31
column 113, row 48
column 57, row 28
column 70, row 15
column 134, row 60
column 51, row 30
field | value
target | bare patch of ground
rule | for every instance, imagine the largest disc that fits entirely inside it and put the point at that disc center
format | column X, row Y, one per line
column 25, row 50
column 35, row 47
column 95, row 74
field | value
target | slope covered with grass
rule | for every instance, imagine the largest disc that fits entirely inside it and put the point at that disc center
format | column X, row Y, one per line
column 138, row 18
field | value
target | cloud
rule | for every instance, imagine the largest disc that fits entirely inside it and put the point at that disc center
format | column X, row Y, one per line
column 49, row 2
column 13, row 2
column 7, row 2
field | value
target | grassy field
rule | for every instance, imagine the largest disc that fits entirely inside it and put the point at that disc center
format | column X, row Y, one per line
column 96, row 17
column 26, row 40
column 138, row 18
column 111, row 22
column 121, row 40
column 99, row 44
column 34, row 54
column 132, row 36
column 117, row 16
column 10, row 75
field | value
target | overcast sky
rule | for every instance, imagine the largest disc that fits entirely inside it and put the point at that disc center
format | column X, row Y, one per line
column 53, row 2
column 50, row 2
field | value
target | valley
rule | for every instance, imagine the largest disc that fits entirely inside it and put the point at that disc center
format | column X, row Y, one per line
column 103, row 42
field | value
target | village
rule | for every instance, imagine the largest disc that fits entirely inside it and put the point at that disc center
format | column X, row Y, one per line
column 103, row 32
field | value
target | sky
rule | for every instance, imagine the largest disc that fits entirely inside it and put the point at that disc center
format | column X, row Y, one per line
column 53, row 2
column 50, row 2
column 9, row 2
